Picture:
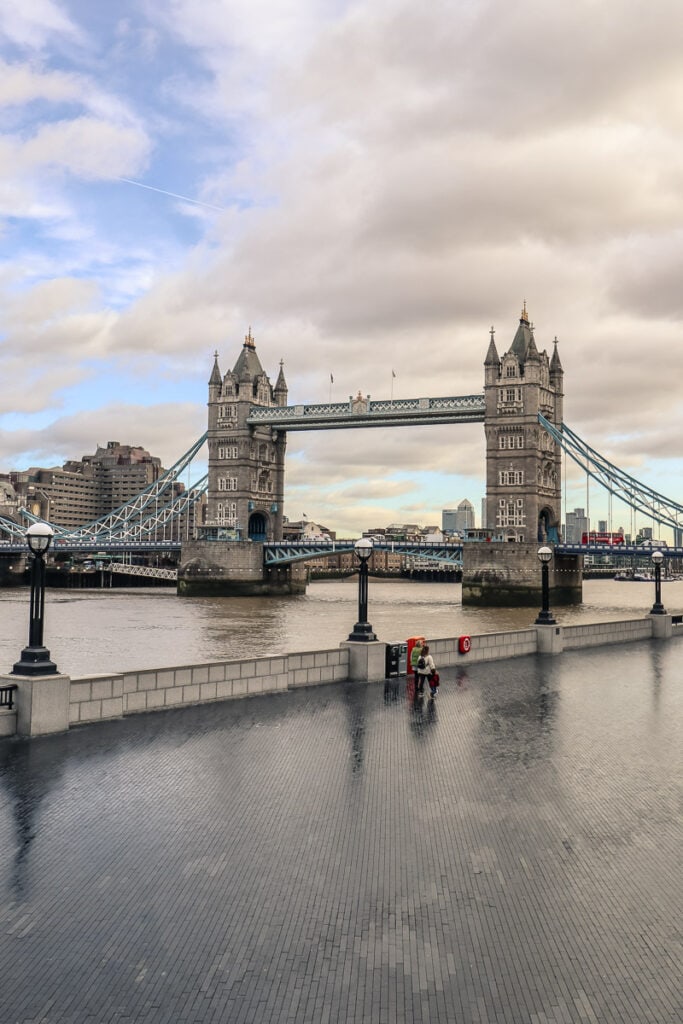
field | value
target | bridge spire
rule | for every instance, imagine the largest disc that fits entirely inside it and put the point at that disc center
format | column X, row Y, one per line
column 492, row 354
column 248, row 365
column 555, row 364
column 215, row 377
column 280, row 389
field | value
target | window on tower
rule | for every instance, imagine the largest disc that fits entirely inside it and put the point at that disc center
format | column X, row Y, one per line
column 510, row 513
column 510, row 477
column 507, row 441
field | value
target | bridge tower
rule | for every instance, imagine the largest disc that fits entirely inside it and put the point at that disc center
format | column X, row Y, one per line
column 523, row 480
column 246, row 463
column 523, row 463
column 245, row 492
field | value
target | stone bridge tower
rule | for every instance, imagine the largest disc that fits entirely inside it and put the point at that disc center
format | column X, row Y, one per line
column 523, row 463
column 246, row 463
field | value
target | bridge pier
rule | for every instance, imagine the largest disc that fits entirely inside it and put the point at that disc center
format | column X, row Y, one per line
column 12, row 569
column 235, row 569
column 509, row 575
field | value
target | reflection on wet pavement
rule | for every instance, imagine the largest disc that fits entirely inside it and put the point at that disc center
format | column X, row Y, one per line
column 508, row 852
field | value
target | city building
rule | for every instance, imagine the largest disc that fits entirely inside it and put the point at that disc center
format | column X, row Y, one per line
column 8, row 500
column 457, row 520
column 82, row 491
column 576, row 525
column 306, row 529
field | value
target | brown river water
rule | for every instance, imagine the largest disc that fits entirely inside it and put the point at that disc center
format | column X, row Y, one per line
column 98, row 631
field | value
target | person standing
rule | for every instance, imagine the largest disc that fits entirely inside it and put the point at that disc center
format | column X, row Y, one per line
column 414, row 658
column 426, row 669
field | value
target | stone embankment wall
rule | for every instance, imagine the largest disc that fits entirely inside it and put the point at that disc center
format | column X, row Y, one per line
column 485, row 647
column 98, row 698
column 53, row 703
column 597, row 634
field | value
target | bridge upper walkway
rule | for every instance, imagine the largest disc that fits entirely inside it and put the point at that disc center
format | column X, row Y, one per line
column 362, row 412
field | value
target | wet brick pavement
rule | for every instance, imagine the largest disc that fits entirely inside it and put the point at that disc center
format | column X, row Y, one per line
column 510, row 854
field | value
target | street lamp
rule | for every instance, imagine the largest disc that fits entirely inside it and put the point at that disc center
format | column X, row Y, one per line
column 362, row 631
column 35, row 659
column 658, row 608
column 544, row 616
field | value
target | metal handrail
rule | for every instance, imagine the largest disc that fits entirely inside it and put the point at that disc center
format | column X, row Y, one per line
column 7, row 696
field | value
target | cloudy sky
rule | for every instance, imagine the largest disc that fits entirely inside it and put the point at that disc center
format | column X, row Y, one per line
column 369, row 185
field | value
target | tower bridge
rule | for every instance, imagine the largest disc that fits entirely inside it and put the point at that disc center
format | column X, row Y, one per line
column 238, row 548
column 248, row 422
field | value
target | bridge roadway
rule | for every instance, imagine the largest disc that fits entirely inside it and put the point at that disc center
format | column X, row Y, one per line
column 285, row 552
column 509, row 854
column 297, row 551
column 93, row 546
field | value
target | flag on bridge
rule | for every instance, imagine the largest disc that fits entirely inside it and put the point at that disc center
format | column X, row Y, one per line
column 331, row 379
column 393, row 374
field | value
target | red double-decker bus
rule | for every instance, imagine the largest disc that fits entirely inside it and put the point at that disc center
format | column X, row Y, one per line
column 602, row 538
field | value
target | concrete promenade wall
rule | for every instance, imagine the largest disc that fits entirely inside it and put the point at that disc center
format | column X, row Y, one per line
column 8, row 722
column 109, row 696
column 598, row 633
column 485, row 647
column 101, row 697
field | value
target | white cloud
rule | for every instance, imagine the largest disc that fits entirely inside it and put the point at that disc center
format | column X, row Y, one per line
column 166, row 430
column 85, row 147
column 396, row 178
column 32, row 24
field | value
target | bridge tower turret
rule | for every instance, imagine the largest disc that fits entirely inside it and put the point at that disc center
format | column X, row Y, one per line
column 246, row 463
column 523, row 463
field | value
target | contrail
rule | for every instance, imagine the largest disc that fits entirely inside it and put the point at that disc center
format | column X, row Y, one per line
column 174, row 195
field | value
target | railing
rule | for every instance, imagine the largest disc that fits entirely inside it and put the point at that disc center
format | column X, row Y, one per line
column 7, row 696
column 300, row 551
column 617, row 550
column 151, row 571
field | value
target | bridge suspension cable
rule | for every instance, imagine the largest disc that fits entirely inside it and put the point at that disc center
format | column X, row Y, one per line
column 148, row 526
column 121, row 517
column 143, row 516
column 9, row 530
column 639, row 496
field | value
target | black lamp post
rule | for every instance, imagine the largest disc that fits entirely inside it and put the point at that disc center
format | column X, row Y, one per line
column 363, row 630
column 658, row 608
column 35, row 659
column 544, row 616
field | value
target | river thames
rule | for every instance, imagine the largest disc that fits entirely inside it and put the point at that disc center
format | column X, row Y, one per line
column 94, row 631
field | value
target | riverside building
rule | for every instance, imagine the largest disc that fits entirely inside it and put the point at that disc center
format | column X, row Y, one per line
column 84, row 490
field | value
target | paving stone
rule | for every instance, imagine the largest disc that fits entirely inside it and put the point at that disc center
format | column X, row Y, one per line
column 506, row 854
